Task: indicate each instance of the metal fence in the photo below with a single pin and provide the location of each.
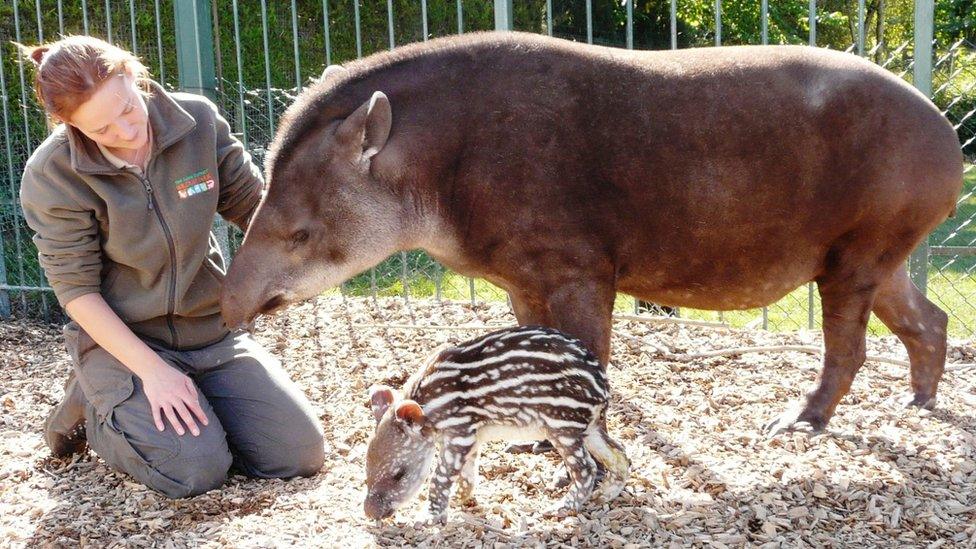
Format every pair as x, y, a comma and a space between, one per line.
254, 59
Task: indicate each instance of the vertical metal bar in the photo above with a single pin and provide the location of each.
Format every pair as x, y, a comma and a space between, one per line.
924, 32
810, 319
4, 296
132, 25
549, 17
718, 22
403, 276
108, 19
60, 18
636, 306
372, 284
240, 75
194, 47
765, 318
294, 39
813, 22
389, 22
84, 15
40, 26
159, 42
503, 15
328, 39
27, 140
460, 17
630, 24
438, 281
589, 21
674, 24
860, 27
359, 31
423, 17
267, 64
40, 40
471, 289
765, 21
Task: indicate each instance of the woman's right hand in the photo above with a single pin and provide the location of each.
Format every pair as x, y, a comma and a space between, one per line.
172, 394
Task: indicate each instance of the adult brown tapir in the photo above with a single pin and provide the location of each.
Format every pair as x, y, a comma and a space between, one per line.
718, 178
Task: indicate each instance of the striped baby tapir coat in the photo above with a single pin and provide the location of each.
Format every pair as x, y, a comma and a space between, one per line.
524, 383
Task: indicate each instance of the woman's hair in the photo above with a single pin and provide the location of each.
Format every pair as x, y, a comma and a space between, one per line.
68, 72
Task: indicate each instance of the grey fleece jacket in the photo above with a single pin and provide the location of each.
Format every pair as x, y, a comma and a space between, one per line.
143, 240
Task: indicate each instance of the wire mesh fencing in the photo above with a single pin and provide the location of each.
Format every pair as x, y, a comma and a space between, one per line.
266, 52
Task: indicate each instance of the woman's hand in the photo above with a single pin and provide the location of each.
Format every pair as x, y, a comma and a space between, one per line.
170, 393
173, 395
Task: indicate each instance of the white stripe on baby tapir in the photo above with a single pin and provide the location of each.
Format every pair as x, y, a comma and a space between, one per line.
552, 401
498, 336
441, 400
462, 441
439, 374
452, 421
508, 356
493, 374
562, 424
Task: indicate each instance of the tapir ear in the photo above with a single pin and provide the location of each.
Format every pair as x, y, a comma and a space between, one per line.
411, 414
366, 130
332, 70
380, 398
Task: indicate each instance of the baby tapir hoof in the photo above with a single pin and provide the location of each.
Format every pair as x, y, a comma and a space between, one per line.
563, 480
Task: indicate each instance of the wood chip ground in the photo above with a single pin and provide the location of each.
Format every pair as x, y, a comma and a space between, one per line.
703, 473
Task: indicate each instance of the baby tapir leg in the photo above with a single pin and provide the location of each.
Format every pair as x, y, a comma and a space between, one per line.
454, 450
469, 475
579, 464
611, 454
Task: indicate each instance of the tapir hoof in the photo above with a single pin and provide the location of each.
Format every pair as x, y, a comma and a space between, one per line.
795, 422
562, 476
915, 400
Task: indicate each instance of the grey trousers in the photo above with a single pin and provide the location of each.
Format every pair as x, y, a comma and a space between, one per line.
259, 420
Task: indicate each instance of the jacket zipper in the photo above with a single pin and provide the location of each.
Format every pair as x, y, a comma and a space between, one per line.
171, 297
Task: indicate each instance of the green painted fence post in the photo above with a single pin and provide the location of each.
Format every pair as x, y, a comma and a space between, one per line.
918, 265
504, 20
194, 47
195, 61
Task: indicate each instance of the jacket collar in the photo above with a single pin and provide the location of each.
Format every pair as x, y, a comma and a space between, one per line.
169, 122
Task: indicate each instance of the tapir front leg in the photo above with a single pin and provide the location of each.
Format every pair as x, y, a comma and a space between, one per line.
583, 308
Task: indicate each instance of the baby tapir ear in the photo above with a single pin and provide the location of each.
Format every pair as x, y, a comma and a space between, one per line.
410, 413
380, 398
366, 130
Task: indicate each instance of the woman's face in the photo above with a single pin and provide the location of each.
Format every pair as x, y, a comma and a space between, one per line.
115, 116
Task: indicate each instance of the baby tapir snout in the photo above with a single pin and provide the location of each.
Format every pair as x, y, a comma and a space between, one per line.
525, 383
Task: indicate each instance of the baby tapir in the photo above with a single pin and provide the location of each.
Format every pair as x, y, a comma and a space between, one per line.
525, 383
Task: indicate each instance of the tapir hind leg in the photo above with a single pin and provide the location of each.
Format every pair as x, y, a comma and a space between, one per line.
846, 307
921, 327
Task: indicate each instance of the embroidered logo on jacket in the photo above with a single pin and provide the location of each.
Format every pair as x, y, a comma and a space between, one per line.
195, 183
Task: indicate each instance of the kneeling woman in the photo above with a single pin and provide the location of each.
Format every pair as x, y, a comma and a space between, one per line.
122, 196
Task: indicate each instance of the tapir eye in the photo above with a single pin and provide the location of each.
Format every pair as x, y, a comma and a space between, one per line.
399, 476
299, 237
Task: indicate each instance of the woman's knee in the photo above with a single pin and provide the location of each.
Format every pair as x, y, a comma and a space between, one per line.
302, 455
188, 477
